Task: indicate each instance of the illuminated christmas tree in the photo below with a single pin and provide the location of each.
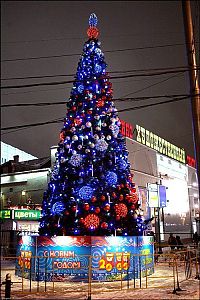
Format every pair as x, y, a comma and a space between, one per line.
91, 190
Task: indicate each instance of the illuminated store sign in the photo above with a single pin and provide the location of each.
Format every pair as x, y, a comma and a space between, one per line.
5, 214
126, 129
20, 214
191, 161
27, 214
157, 143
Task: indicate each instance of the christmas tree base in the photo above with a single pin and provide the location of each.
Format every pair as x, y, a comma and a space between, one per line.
82, 258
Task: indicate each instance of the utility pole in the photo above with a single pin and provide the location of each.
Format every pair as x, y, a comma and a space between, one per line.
194, 85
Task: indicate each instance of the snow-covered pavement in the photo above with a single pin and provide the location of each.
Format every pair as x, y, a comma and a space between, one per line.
160, 285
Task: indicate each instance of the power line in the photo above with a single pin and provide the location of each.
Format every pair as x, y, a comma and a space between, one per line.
151, 85
122, 110
79, 38
78, 54
65, 102
111, 77
183, 68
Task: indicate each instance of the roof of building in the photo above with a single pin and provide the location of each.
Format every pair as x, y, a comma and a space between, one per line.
13, 166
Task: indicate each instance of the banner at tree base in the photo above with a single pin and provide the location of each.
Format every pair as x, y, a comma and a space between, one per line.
71, 258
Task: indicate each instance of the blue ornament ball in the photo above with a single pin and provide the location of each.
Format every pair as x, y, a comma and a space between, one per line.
86, 192
58, 208
97, 68
111, 178
122, 164
80, 88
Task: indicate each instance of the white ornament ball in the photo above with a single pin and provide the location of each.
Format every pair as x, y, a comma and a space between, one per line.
88, 124
104, 124
108, 137
98, 128
97, 117
85, 137
92, 145
75, 138
73, 129
74, 152
96, 137
87, 150
79, 147
113, 120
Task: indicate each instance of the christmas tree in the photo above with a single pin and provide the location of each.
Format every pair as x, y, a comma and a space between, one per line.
91, 190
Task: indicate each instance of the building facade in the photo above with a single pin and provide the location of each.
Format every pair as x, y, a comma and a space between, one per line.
8, 151
153, 161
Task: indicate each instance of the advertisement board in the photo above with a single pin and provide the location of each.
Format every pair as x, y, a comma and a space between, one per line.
156, 195
71, 258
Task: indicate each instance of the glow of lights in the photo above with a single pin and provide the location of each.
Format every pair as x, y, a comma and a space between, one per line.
63, 240
114, 240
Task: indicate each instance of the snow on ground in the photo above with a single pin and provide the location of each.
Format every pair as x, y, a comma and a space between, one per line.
160, 285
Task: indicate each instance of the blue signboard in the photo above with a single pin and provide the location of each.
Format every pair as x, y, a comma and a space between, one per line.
162, 196
68, 258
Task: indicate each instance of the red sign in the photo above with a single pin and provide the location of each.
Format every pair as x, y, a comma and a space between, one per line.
126, 129
191, 161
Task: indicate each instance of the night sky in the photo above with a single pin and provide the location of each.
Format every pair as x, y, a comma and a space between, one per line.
33, 29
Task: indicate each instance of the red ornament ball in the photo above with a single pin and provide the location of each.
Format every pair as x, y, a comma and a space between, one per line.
91, 221
97, 210
103, 198
81, 220
86, 206
92, 32
107, 207
114, 195
74, 208
121, 210
93, 199
104, 225
117, 217
121, 197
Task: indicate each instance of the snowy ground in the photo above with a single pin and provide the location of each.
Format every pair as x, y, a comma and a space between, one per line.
160, 285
